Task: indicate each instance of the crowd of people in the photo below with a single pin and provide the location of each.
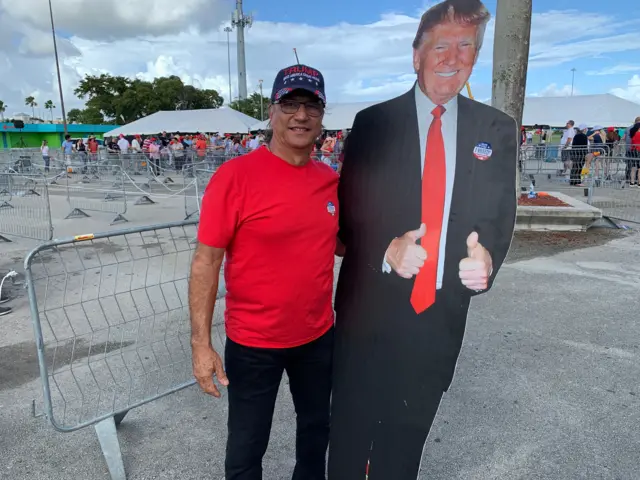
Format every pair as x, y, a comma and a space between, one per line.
181, 149
583, 148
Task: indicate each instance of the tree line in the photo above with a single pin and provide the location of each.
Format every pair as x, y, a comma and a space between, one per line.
120, 100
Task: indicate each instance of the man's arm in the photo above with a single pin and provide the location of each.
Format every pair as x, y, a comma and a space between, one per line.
203, 288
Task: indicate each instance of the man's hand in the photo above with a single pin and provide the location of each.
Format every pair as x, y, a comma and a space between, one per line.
476, 269
206, 364
404, 255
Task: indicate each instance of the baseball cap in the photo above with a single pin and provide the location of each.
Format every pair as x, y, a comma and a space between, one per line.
582, 126
298, 77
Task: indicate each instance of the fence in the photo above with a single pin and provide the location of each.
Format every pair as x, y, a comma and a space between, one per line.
93, 186
602, 180
111, 322
25, 210
193, 196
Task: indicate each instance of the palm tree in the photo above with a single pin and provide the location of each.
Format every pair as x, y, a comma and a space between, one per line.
31, 102
511, 59
48, 105
3, 108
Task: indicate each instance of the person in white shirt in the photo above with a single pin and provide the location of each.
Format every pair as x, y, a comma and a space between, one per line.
254, 143
45, 154
123, 144
135, 145
565, 145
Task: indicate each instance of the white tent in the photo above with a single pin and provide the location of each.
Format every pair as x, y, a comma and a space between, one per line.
223, 120
606, 110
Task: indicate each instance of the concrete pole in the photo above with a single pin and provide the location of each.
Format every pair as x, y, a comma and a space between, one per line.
240, 21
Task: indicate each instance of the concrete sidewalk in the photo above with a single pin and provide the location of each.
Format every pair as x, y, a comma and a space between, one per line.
546, 388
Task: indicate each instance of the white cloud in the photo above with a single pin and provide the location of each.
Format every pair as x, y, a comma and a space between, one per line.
151, 38
615, 70
631, 91
553, 90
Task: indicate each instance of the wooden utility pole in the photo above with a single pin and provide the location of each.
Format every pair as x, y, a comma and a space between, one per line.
511, 59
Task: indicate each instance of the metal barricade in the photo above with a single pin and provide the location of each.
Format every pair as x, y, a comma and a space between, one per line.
612, 193
25, 210
200, 177
110, 314
93, 186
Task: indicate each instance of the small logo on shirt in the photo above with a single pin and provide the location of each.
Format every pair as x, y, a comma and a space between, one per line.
483, 151
331, 208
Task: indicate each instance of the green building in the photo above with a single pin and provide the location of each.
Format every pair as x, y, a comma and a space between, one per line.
32, 135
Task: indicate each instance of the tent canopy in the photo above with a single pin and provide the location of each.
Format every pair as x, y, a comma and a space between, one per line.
605, 109
222, 120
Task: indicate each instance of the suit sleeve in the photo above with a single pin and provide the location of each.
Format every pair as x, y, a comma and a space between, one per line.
496, 234
347, 177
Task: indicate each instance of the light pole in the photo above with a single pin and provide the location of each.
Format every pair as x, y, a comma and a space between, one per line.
261, 102
229, 30
573, 77
241, 21
55, 51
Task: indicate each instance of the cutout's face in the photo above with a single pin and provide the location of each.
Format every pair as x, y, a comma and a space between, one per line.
445, 59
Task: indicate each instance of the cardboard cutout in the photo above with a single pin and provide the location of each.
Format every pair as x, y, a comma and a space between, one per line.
427, 212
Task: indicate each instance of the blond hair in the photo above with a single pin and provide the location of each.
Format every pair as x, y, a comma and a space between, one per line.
462, 12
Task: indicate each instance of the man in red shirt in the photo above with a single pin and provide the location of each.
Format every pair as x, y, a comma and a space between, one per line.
274, 213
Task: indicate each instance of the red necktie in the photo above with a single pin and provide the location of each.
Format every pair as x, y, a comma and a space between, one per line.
434, 179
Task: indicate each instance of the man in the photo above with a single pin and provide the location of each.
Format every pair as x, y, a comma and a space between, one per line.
275, 215
428, 205
579, 152
629, 152
67, 149
123, 144
565, 142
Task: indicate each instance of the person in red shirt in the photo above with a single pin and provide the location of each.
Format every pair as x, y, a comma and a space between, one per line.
274, 213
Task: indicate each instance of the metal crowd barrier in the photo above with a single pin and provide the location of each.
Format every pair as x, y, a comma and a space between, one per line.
25, 210
110, 314
92, 186
193, 196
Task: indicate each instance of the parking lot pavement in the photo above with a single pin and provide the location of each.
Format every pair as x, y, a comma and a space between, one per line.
546, 387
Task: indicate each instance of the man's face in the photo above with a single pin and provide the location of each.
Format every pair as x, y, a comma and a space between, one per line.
299, 129
445, 59
569, 125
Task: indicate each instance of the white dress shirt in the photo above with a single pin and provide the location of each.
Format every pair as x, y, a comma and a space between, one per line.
424, 107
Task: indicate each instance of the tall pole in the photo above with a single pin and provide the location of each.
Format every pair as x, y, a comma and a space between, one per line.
261, 102
241, 21
55, 51
511, 60
229, 30
573, 77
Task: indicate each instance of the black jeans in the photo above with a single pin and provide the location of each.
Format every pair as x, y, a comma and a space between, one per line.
254, 378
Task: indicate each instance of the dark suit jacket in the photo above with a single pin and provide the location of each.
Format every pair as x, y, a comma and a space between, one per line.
380, 198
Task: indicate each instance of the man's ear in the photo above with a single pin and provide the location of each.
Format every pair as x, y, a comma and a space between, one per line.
416, 60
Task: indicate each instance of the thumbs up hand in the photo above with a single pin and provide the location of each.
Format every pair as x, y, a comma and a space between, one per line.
404, 255
476, 269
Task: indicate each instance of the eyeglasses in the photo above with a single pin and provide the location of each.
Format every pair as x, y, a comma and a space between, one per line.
314, 109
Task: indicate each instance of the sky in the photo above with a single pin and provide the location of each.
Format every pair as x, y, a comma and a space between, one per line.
363, 48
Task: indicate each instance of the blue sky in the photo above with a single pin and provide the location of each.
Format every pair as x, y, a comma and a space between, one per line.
363, 47
599, 50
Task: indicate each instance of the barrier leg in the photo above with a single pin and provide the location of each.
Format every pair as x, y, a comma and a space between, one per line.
108, 438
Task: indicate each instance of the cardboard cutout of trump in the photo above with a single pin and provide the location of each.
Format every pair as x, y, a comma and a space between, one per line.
428, 204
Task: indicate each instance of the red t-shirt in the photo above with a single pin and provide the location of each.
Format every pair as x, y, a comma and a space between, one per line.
278, 224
